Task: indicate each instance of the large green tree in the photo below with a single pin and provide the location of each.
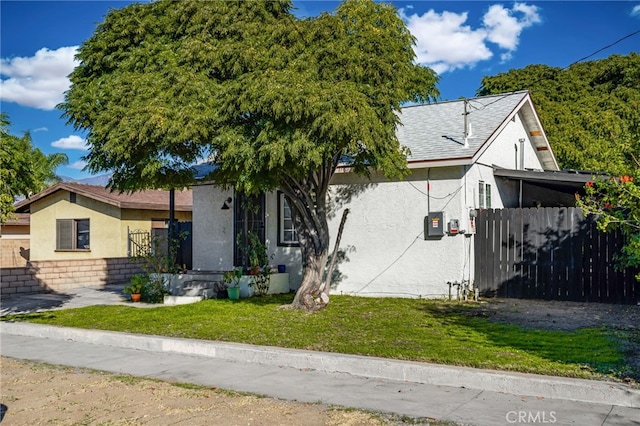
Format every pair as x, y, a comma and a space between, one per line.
616, 200
276, 101
24, 169
587, 110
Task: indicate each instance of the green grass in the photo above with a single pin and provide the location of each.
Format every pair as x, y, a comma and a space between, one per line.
408, 329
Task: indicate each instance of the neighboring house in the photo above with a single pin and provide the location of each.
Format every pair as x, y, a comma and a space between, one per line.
14, 241
71, 221
409, 237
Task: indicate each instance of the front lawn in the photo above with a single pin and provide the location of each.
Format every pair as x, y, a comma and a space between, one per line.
408, 329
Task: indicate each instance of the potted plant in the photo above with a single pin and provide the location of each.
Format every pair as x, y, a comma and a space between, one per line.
136, 286
260, 269
232, 281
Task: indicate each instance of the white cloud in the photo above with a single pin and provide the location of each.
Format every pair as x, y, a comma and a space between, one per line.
635, 11
37, 81
40, 129
504, 25
77, 165
444, 41
71, 142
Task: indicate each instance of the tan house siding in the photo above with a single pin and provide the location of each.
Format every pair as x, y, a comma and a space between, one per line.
14, 243
63, 275
108, 226
14, 252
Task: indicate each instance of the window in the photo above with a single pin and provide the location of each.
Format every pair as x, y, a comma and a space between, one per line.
249, 218
72, 234
287, 235
484, 195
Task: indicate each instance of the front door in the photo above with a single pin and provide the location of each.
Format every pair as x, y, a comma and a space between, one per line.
249, 217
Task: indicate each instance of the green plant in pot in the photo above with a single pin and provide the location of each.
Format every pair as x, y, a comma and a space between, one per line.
232, 280
137, 286
260, 269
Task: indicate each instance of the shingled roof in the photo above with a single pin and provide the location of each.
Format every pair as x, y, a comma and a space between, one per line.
143, 200
435, 132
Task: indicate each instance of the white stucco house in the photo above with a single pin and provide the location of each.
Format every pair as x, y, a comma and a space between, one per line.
405, 238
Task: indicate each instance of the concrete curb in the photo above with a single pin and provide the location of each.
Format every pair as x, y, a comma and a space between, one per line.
415, 372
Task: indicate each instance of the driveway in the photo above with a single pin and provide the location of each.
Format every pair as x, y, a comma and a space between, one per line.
76, 298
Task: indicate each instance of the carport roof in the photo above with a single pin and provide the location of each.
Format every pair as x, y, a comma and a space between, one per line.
562, 180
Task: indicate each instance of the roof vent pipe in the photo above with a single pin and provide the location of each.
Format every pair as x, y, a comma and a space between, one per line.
467, 131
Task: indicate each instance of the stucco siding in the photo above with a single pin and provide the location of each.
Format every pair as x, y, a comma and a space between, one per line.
213, 229
386, 250
504, 151
107, 223
103, 224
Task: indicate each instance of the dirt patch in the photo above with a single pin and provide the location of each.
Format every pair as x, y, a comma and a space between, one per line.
35, 393
622, 320
563, 316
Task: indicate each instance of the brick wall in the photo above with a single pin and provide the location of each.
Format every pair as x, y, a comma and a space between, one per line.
61, 275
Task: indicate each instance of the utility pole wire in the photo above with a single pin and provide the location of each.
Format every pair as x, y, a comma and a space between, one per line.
604, 48
568, 66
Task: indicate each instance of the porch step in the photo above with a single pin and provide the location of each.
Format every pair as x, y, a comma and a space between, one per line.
202, 288
181, 300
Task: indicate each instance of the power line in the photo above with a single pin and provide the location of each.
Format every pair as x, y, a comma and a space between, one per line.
604, 48
568, 66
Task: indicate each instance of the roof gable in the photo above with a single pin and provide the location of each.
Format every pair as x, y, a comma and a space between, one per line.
143, 200
436, 132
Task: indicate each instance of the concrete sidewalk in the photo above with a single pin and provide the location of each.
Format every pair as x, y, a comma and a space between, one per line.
463, 395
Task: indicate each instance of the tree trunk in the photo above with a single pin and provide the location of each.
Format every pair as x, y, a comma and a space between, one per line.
334, 256
309, 295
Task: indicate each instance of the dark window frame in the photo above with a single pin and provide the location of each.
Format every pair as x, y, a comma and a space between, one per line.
68, 234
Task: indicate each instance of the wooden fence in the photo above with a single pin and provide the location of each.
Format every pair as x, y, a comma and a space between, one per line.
550, 253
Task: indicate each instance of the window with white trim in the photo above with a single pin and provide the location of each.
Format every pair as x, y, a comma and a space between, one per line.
72, 234
484, 195
287, 235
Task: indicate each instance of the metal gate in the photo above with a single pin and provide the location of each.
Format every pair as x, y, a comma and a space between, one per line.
142, 243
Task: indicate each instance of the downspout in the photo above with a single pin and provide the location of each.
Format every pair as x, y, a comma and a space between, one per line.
521, 140
428, 191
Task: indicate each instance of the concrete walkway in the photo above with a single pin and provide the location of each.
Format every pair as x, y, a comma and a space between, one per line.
76, 298
463, 395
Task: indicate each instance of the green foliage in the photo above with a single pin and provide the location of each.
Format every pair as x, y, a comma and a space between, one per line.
273, 100
616, 202
232, 278
137, 284
156, 258
259, 263
155, 290
589, 111
24, 169
151, 290
407, 329
257, 252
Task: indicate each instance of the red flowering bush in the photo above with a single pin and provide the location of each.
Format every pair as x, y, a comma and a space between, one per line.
616, 202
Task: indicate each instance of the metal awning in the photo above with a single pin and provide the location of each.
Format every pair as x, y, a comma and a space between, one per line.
563, 180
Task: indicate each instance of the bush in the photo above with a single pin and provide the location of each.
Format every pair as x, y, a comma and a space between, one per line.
151, 290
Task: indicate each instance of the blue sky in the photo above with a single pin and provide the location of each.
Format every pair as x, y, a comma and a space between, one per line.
462, 40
